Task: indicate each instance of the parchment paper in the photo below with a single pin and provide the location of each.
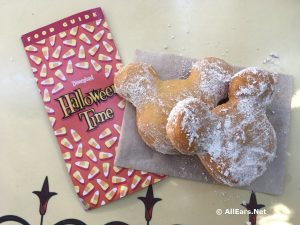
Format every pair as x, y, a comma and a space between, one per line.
133, 153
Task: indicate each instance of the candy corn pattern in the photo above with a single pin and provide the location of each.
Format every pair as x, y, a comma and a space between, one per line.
60, 131
45, 51
91, 155
109, 143
56, 52
88, 188
93, 142
70, 42
78, 152
81, 50
43, 72
82, 164
48, 81
75, 135
95, 198
68, 54
81, 54
108, 69
94, 171
105, 133
123, 191
60, 75
96, 65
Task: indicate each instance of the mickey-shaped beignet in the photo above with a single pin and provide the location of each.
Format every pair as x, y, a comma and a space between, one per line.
234, 141
154, 98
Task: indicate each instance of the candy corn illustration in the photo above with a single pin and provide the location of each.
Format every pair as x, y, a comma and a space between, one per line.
105, 155
102, 184
45, 51
130, 172
105, 25
52, 40
70, 42
52, 120
116, 179
56, 52
78, 177
60, 131
109, 36
60, 75
77, 189
53, 65
84, 38
123, 191
62, 34
31, 48
96, 66
121, 104
117, 57
117, 169
75, 135
105, 133
94, 171
107, 70
143, 172
48, 109
136, 180
34, 70
69, 166
104, 58
43, 72
99, 35
67, 156
156, 180
48, 81
105, 167
65, 142
78, 152
69, 54
41, 42
92, 142
88, 27
91, 155
119, 66
98, 22
73, 31
146, 182
46, 96
69, 67
110, 142
82, 65
35, 59
85, 205
117, 128
81, 53
107, 46
82, 164
103, 202
95, 198
88, 188
109, 195
57, 88
92, 51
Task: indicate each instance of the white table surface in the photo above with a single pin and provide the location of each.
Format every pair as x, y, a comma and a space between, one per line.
241, 32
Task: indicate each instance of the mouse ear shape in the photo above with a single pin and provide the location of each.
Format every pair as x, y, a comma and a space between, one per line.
213, 76
189, 124
253, 84
136, 82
